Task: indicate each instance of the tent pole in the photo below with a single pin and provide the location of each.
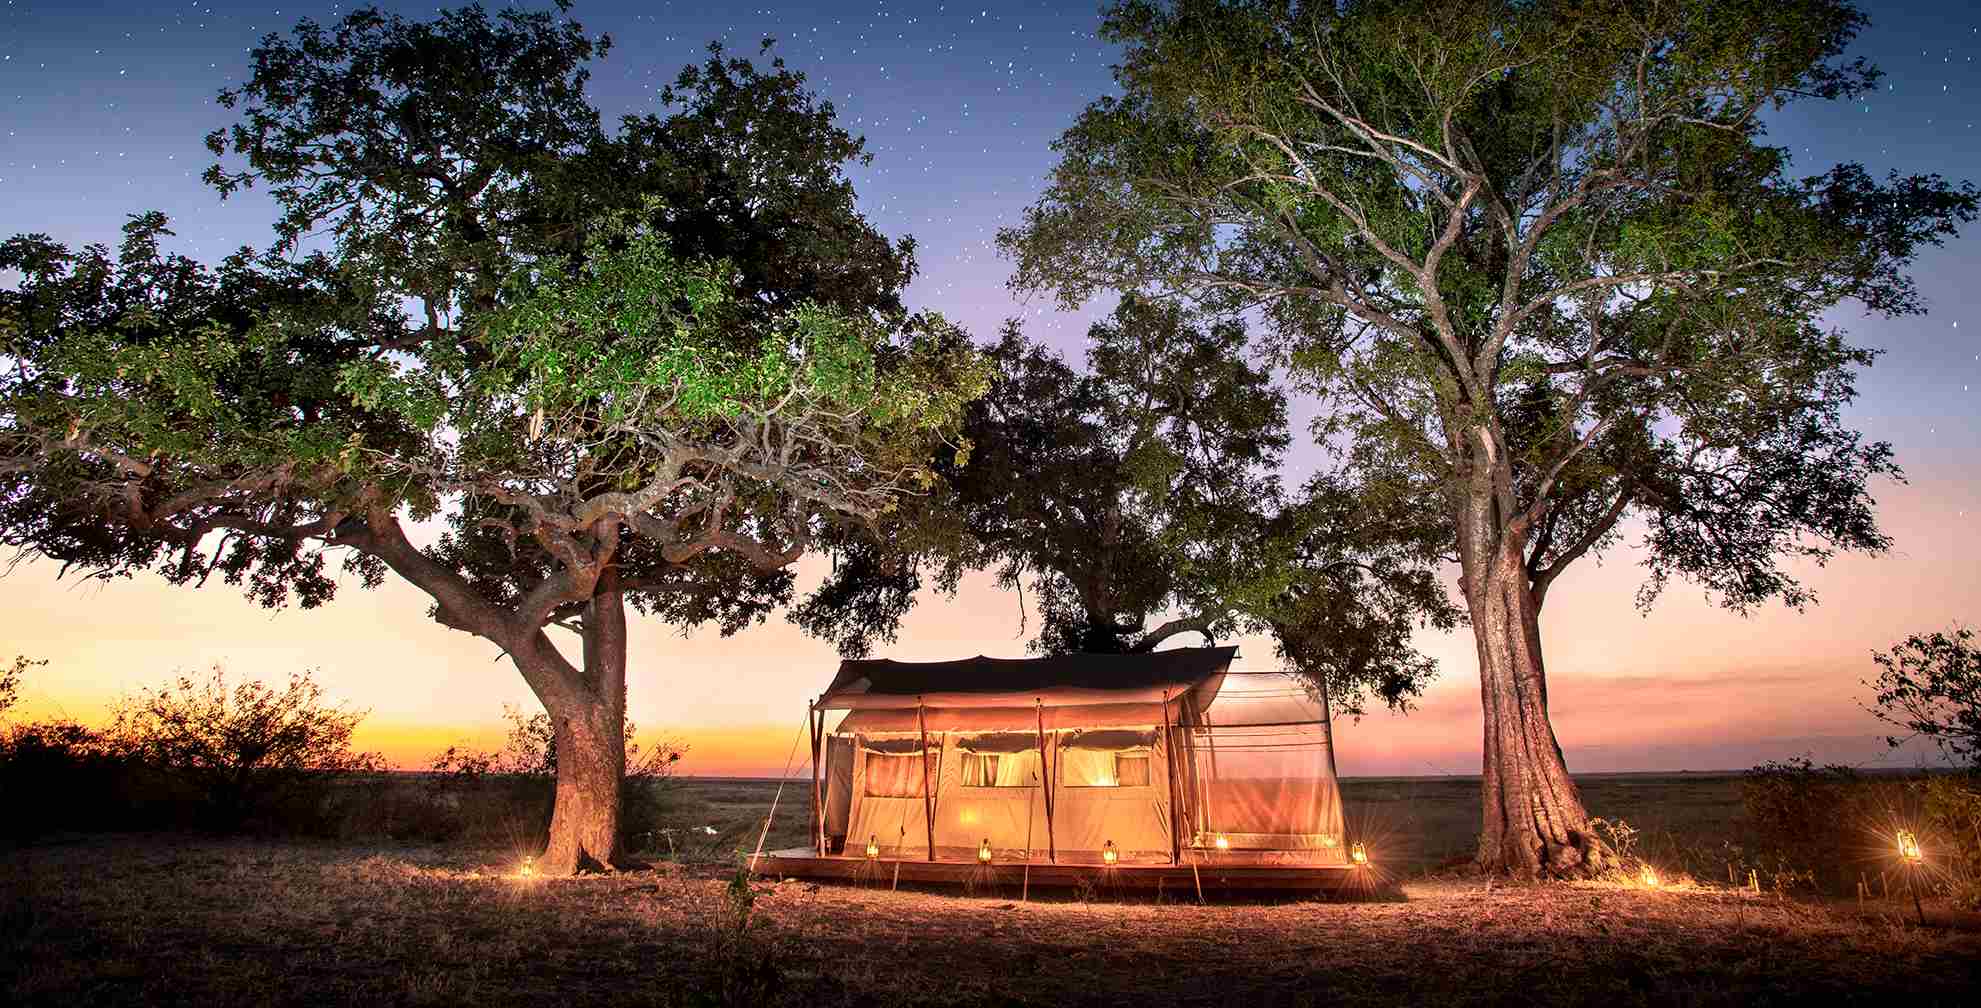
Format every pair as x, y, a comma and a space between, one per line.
817, 720
928, 797
1169, 777
1052, 845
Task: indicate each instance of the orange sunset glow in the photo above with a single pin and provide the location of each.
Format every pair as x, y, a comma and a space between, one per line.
1688, 687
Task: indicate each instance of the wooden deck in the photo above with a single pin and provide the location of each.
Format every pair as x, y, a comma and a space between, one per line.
803, 862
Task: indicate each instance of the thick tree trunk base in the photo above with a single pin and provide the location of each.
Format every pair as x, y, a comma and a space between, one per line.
584, 821
1535, 825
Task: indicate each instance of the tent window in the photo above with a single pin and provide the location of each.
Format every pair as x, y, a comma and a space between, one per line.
1093, 768
1001, 769
894, 776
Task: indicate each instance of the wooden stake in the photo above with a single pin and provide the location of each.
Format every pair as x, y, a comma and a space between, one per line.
928, 796
1052, 844
1169, 776
817, 719
1199, 880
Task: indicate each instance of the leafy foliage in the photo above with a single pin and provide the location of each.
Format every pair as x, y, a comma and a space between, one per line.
1149, 486
10, 680
1930, 686
239, 745
1537, 257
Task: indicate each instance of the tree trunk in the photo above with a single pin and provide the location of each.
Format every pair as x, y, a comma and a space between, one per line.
1535, 824
590, 722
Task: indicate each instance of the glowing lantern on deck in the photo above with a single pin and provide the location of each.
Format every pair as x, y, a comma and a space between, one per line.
873, 847
1223, 843
1649, 876
529, 868
1357, 854
1908, 848
1108, 853
984, 852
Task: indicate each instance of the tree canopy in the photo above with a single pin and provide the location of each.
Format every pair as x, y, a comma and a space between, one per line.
1142, 498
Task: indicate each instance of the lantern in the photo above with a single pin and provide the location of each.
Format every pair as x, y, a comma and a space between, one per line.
873, 847
984, 852
1357, 854
1908, 848
529, 869
1648, 875
1223, 843
1108, 853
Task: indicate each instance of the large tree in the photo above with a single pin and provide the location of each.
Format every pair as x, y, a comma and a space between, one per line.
1544, 269
657, 365
1142, 499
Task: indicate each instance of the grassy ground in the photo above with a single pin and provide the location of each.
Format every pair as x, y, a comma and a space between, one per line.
178, 920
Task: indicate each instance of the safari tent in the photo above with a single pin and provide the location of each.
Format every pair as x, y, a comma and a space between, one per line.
1116, 761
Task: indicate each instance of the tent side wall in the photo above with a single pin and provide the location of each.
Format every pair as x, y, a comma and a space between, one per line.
1135, 816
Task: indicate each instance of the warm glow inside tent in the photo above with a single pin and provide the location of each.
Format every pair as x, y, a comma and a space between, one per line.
1159, 757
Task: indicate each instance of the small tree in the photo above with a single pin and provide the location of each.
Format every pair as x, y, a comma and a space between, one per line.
240, 746
1930, 686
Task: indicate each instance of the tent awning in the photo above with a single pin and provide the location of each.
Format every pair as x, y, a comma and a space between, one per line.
1055, 681
870, 721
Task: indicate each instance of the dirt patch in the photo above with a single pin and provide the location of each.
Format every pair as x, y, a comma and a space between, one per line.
165, 920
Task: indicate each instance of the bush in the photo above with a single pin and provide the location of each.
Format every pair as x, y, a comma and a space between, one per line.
1953, 817
58, 776
529, 754
1822, 829
244, 750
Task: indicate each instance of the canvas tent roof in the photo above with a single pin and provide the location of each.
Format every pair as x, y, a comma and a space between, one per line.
1059, 680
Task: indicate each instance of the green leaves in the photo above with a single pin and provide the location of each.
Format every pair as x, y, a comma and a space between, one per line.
1531, 252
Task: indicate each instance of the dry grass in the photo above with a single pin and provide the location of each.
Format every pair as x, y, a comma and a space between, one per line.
169, 920
175, 920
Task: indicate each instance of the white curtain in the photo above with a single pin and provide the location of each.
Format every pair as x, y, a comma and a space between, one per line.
1087, 768
1001, 769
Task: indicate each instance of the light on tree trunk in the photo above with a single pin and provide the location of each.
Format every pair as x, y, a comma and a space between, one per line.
1648, 875
1908, 847
1222, 843
873, 847
1108, 853
984, 852
1330, 841
1357, 854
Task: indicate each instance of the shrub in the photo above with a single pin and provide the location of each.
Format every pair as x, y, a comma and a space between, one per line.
529, 753
1824, 828
1952, 805
243, 750
59, 776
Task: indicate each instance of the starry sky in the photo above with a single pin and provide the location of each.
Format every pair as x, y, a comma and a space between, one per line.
104, 108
